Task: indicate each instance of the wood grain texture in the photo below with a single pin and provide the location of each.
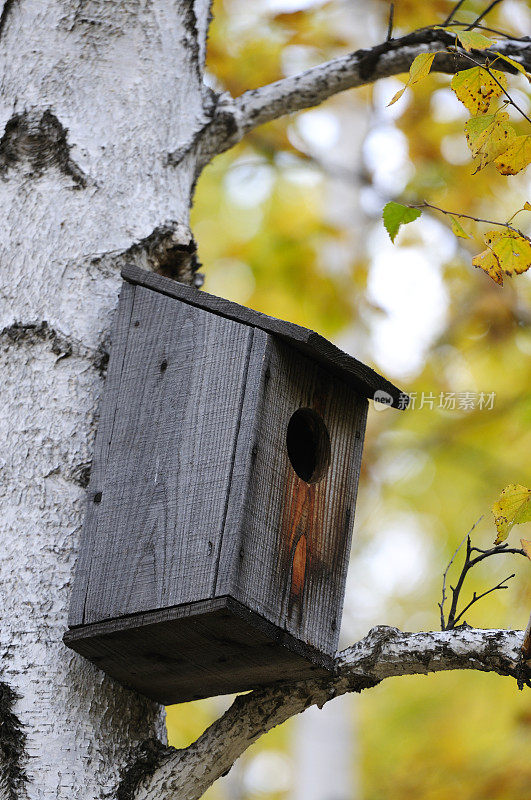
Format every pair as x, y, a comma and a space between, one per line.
295, 536
208, 564
107, 415
196, 650
361, 377
232, 542
163, 490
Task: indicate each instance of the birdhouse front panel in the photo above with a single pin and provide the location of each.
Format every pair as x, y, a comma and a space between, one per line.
159, 500
290, 556
220, 506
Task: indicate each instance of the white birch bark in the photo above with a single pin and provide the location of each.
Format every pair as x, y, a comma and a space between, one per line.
94, 96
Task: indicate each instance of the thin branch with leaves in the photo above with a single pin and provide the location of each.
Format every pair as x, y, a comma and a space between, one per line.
448, 213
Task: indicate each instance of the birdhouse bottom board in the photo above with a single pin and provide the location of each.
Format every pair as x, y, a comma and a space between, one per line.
221, 501
197, 650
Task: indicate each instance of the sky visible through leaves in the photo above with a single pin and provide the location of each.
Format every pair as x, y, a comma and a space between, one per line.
290, 222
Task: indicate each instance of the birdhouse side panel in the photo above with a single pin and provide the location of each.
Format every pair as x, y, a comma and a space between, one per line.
298, 513
160, 500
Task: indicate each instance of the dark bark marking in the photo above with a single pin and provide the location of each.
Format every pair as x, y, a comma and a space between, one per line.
62, 346
369, 58
80, 474
32, 333
101, 357
39, 140
12, 744
164, 252
144, 760
191, 37
6, 8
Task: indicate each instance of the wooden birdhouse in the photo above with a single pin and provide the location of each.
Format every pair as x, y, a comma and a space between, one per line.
221, 500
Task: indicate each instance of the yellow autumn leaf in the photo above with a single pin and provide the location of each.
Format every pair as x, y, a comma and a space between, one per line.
476, 88
526, 547
516, 65
512, 508
527, 206
457, 229
488, 262
512, 249
472, 40
517, 156
419, 69
475, 126
489, 137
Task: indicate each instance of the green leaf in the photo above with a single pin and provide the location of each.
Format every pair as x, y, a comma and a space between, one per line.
395, 215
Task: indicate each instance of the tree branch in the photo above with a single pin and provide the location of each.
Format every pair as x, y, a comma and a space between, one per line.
232, 118
385, 652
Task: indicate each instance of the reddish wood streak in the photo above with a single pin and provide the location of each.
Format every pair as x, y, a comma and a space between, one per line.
304, 553
298, 574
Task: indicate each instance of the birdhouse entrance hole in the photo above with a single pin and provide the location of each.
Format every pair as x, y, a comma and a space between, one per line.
308, 444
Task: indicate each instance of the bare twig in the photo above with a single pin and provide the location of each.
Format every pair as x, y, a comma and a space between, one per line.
445, 211
484, 14
499, 550
470, 562
453, 12
443, 599
390, 25
476, 597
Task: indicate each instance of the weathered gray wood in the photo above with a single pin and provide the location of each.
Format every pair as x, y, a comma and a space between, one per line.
295, 537
208, 564
361, 377
164, 488
232, 542
196, 650
105, 423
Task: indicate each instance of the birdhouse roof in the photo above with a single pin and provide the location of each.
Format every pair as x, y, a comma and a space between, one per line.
357, 374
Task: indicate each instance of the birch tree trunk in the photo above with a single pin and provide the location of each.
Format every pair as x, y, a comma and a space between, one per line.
95, 94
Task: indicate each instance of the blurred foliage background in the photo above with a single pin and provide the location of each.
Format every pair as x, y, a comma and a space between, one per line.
289, 222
